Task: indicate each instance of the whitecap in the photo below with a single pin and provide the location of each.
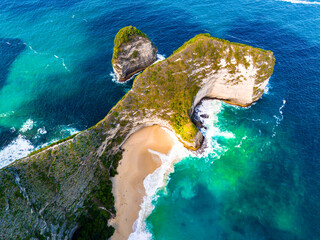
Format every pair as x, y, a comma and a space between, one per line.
155, 181
267, 88
18, 148
66, 130
6, 114
210, 129
42, 130
28, 125
160, 57
160, 177
301, 2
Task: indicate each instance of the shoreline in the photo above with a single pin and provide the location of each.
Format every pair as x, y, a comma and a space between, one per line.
136, 164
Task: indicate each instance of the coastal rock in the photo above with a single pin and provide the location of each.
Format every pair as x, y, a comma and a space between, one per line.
64, 191
133, 52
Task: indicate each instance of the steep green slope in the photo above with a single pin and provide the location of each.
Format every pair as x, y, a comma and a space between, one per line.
65, 190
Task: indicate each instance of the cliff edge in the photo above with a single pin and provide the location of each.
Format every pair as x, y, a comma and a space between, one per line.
64, 191
133, 52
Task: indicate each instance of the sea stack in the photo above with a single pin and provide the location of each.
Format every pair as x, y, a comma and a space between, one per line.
65, 190
133, 52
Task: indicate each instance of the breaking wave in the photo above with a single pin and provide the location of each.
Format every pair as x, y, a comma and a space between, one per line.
155, 181
301, 2
18, 148
207, 113
22, 145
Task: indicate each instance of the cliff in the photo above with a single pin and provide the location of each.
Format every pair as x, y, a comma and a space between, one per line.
64, 191
133, 52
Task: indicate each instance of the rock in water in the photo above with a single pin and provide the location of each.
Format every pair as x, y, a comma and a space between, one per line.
133, 51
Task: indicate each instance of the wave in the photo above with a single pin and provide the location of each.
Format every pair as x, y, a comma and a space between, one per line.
160, 57
28, 125
301, 2
267, 89
18, 148
207, 112
21, 146
155, 181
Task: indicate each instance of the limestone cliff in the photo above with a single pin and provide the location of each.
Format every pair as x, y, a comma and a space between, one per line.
64, 191
133, 52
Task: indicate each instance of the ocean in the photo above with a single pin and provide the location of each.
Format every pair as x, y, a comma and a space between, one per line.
258, 176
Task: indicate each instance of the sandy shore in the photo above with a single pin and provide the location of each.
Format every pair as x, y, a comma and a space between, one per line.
136, 164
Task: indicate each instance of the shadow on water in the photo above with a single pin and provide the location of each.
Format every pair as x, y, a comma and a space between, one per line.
96, 94
10, 49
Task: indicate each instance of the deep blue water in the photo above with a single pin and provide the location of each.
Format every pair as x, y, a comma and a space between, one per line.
55, 80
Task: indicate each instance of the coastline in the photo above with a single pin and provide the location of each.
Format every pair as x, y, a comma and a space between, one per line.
136, 164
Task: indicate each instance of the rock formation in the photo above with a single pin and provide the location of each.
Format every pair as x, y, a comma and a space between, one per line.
64, 190
133, 52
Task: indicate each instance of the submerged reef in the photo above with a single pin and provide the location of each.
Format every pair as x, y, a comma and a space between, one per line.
64, 191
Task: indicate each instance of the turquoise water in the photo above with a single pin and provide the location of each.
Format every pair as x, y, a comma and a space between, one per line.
260, 178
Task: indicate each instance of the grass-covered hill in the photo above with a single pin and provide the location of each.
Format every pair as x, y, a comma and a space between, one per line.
65, 189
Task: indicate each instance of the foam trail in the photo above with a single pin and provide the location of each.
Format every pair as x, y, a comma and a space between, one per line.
17, 149
63, 63
152, 183
301, 2
278, 119
33, 50
159, 178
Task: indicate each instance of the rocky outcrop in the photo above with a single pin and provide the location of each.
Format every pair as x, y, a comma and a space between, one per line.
65, 190
133, 52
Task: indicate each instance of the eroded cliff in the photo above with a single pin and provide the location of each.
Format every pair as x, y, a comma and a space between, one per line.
133, 52
65, 189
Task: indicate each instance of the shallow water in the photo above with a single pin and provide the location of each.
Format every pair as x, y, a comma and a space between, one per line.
260, 178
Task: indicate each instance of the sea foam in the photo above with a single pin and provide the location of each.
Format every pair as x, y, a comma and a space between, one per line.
18, 148
210, 129
155, 181
28, 125
160, 177
22, 146
301, 2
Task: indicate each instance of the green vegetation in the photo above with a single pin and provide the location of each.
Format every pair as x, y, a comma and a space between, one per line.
52, 144
71, 184
135, 54
123, 36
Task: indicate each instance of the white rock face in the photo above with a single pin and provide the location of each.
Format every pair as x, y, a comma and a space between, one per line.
135, 56
239, 87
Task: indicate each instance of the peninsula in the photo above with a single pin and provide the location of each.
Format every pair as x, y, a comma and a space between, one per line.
64, 191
